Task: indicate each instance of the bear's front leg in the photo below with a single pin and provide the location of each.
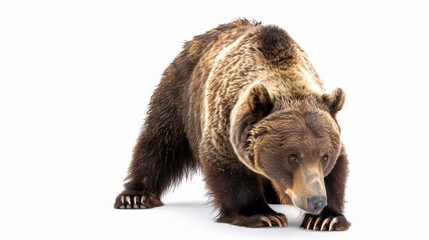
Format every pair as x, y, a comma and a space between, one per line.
331, 218
239, 196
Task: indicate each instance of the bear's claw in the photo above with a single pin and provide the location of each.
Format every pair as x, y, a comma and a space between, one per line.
272, 220
136, 202
257, 220
325, 223
132, 202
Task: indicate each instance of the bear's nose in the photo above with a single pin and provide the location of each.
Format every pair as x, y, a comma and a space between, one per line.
316, 203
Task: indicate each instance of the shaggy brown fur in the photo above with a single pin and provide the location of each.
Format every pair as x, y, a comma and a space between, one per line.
243, 103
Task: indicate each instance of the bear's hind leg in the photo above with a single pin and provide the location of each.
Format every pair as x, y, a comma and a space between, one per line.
162, 155
161, 158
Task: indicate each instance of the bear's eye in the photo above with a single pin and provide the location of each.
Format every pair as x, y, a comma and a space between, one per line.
293, 159
324, 159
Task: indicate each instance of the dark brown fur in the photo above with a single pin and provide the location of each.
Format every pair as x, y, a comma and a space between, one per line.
239, 114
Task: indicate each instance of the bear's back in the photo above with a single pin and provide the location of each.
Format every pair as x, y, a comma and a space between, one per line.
229, 59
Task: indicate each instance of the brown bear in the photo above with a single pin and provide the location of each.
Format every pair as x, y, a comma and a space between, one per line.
243, 103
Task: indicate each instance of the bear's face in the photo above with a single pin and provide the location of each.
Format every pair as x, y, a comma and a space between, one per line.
295, 148
295, 151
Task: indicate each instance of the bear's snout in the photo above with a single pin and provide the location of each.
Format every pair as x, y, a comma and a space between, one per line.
308, 190
316, 203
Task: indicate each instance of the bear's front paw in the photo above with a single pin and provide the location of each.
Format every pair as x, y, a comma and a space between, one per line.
133, 200
325, 223
257, 220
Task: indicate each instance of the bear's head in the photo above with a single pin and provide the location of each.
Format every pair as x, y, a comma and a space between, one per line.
294, 143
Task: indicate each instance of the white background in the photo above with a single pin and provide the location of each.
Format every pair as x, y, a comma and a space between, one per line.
76, 78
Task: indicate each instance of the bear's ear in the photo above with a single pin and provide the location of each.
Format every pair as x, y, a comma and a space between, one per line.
334, 100
255, 104
259, 101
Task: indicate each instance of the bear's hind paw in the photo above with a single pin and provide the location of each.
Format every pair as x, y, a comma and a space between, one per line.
134, 201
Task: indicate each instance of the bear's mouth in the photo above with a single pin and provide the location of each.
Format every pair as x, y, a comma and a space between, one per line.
308, 204
297, 201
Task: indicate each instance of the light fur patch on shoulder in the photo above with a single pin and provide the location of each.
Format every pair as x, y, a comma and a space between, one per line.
218, 59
